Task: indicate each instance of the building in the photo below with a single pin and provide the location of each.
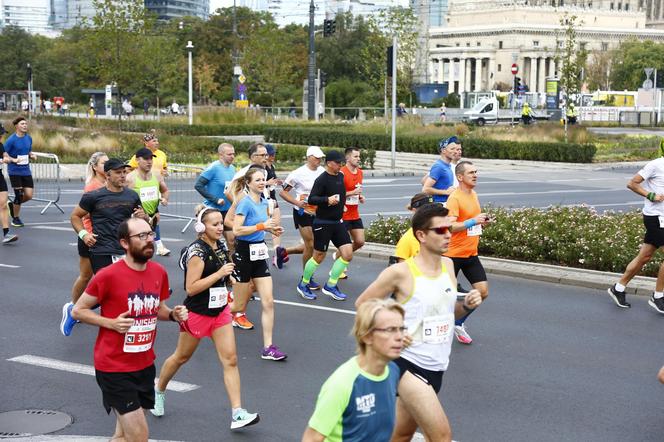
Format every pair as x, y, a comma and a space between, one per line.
30, 15
170, 9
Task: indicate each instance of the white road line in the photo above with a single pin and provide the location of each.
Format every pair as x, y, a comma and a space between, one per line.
9, 266
89, 370
163, 238
399, 212
61, 229
47, 223
313, 307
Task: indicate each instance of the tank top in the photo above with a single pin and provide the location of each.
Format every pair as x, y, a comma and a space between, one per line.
430, 319
148, 192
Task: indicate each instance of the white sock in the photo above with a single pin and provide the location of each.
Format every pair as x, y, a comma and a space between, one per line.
619, 287
658, 295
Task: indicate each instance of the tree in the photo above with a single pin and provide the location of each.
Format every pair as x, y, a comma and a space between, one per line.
599, 70
634, 56
571, 58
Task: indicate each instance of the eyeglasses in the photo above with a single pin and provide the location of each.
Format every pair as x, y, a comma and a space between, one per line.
442, 230
144, 235
259, 155
391, 330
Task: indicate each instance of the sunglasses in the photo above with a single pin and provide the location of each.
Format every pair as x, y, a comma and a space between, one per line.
442, 230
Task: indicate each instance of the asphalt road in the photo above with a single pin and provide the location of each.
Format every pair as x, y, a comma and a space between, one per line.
549, 363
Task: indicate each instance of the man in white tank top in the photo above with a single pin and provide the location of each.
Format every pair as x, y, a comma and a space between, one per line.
426, 286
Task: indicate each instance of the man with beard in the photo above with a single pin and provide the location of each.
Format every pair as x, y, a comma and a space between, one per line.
123, 354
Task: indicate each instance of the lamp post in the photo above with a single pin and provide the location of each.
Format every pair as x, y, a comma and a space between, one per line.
190, 48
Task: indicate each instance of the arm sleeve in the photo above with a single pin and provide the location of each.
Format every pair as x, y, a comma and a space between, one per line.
201, 187
436, 172
453, 206
87, 202
647, 171
96, 287
9, 147
242, 208
330, 406
317, 196
290, 179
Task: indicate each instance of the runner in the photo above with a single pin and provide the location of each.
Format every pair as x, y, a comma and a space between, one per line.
649, 183
408, 246
457, 152
213, 183
280, 254
329, 195
18, 148
95, 178
424, 285
251, 220
207, 266
468, 220
124, 354
152, 190
7, 236
301, 180
353, 178
439, 182
358, 401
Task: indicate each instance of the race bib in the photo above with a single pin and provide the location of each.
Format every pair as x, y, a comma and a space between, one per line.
258, 252
140, 336
438, 329
149, 194
353, 200
661, 222
218, 297
116, 258
23, 160
476, 230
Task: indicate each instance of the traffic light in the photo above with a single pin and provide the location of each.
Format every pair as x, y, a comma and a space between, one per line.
323, 79
517, 83
390, 52
329, 27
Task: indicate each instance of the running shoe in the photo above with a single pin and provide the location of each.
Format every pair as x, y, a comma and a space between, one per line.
273, 353
16, 222
67, 323
279, 256
462, 335
240, 321
163, 251
618, 297
305, 291
334, 292
158, 409
243, 419
313, 285
9, 238
656, 303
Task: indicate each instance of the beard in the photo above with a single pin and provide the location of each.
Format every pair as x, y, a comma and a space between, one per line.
142, 254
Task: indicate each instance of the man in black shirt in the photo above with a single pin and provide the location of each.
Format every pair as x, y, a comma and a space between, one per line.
329, 194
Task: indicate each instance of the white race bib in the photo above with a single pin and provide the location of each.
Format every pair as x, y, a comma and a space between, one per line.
148, 193
438, 329
140, 336
258, 252
353, 200
218, 297
476, 230
23, 160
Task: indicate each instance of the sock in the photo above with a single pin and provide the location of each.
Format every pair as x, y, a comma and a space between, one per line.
5, 231
309, 270
462, 320
157, 243
658, 295
619, 287
337, 269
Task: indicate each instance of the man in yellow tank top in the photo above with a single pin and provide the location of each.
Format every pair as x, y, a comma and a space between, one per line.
426, 286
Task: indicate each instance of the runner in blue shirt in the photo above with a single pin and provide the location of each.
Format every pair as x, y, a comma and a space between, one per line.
19, 149
440, 181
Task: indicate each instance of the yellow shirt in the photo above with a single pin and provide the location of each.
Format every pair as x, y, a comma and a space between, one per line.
159, 163
408, 246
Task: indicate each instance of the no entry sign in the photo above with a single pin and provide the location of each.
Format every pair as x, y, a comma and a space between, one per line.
515, 69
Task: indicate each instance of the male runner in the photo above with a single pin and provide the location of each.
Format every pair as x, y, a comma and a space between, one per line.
213, 183
301, 180
329, 195
408, 246
353, 178
649, 183
160, 160
19, 151
467, 222
132, 294
425, 286
7, 237
152, 190
440, 181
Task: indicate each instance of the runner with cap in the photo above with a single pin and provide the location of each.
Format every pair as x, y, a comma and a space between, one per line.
440, 181
7, 236
151, 189
18, 148
329, 195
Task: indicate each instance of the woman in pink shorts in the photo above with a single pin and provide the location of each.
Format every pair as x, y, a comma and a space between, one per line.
207, 267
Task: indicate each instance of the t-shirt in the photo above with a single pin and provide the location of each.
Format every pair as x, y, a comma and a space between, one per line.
219, 176
148, 192
464, 206
212, 262
19, 147
442, 173
92, 185
408, 246
355, 406
119, 289
253, 213
107, 210
351, 181
159, 161
653, 176
2, 151
302, 180
271, 174
324, 187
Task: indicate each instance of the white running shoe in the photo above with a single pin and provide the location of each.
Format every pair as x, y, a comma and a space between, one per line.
244, 419
158, 409
462, 335
163, 251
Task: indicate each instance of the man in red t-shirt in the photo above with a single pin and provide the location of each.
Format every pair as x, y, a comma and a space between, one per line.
353, 178
131, 293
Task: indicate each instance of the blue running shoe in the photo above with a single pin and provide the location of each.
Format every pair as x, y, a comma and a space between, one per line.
334, 292
313, 285
67, 324
304, 291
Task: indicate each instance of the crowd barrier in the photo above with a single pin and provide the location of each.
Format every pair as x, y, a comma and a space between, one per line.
45, 170
183, 197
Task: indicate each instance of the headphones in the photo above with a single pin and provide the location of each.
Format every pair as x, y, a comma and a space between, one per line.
199, 227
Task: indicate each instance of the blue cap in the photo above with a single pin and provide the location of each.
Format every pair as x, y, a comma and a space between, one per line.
271, 151
442, 144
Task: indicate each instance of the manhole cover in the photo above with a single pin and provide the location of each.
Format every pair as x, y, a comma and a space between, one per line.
23, 423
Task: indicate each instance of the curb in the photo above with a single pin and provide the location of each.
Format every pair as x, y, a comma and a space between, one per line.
592, 279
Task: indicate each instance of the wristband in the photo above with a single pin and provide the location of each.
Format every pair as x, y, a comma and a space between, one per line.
467, 309
469, 223
172, 318
651, 196
82, 233
260, 226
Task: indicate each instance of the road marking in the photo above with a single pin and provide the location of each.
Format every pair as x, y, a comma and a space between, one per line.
399, 212
61, 229
46, 223
89, 370
163, 238
313, 307
9, 266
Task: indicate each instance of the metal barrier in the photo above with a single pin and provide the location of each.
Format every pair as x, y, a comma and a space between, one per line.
45, 171
183, 197
638, 118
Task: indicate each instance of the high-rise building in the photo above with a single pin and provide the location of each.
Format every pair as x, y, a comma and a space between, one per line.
432, 13
170, 9
30, 15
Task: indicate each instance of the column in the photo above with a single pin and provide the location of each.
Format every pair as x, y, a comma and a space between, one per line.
433, 70
532, 76
450, 78
441, 71
478, 74
491, 74
462, 75
541, 75
552, 67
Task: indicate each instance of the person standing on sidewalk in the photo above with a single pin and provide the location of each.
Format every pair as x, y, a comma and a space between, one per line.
18, 148
353, 178
7, 236
648, 183
440, 181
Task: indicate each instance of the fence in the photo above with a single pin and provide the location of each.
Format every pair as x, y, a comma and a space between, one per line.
45, 170
183, 197
638, 118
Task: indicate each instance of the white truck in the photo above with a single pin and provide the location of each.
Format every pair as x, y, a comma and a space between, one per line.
486, 112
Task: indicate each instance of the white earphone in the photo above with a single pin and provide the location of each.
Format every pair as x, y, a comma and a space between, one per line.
199, 227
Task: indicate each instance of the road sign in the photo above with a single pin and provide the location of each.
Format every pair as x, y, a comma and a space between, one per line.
515, 69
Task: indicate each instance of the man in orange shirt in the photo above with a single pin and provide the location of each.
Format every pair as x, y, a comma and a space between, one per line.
353, 178
467, 223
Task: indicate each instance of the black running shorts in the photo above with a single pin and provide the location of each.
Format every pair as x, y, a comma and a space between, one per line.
304, 220
324, 233
21, 181
245, 269
433, 378
98, 262
354, 224
83, 250
3, 183
654, 234
471, 267
127, 392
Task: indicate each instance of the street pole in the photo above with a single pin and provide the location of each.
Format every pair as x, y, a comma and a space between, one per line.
311, 71
190, 48
394, 102
317, 93
29, 91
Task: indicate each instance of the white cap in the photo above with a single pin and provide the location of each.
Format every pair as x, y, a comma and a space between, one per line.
315, 151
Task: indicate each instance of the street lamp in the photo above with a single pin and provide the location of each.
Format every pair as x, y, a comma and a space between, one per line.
190, 48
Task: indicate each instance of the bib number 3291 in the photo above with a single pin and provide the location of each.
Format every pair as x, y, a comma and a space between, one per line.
140, 336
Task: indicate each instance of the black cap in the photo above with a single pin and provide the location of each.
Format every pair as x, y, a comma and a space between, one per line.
114, 163
144, 153
335, 155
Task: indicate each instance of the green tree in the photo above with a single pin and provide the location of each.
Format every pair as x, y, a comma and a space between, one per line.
571, 59
599, 70
631, 57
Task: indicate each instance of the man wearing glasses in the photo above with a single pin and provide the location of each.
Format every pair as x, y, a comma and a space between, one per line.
426, 287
